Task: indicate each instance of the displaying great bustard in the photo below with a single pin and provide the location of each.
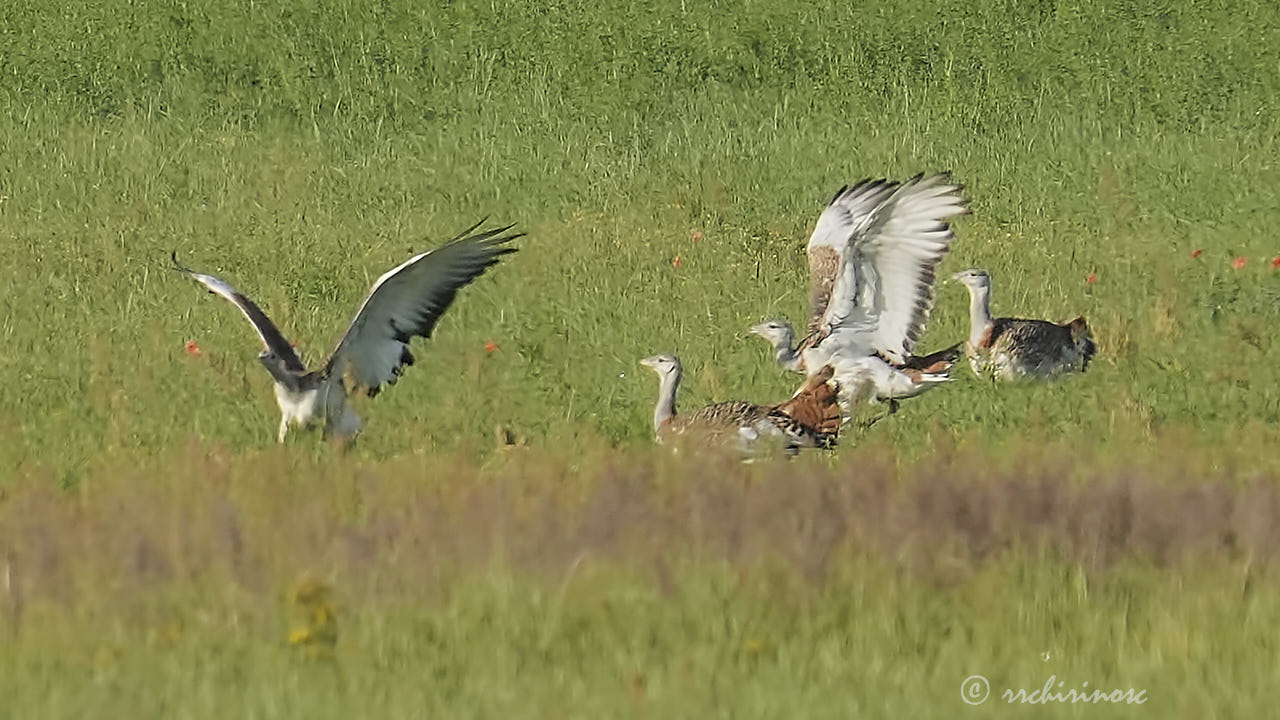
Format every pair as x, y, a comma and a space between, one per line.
811, 418
1014, 348
872, 266
921, 372
405, 302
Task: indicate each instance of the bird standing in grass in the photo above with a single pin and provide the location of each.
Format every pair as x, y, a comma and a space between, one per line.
1013, 348
872, 261
811, 418
405, 302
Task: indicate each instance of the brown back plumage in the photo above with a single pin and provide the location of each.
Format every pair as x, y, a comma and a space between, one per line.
816, 405
730, 414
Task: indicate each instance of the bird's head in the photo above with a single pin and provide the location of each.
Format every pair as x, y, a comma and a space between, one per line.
973, 278
777, 332
664, 364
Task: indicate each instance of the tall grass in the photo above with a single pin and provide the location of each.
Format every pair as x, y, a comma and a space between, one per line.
502, 539
616, 586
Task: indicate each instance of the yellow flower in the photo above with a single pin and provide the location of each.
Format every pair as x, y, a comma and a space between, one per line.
300, 636
319, 635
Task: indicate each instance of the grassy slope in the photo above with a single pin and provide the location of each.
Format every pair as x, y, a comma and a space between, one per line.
299, 152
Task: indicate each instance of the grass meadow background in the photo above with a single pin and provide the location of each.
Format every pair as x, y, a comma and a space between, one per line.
160, 556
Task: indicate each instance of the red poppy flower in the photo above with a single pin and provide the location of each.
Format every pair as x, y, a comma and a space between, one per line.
697, 235
191, 348
1196, 253
490, 346
1091, 278
675, 262
1239, 262
1275, 262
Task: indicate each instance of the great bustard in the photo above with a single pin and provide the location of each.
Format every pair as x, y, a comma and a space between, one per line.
811, 418
1014, 348
872, 265
902, 380
405, 302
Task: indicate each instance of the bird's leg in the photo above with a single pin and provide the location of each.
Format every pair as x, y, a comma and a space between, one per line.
284, 427
866, 425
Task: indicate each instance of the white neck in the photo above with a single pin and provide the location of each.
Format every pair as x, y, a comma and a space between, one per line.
979, 312
666, 407
784, 350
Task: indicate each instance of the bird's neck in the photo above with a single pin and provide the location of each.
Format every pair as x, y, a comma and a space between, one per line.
979, 313
784, 351
666, 407
788, 358
292, 381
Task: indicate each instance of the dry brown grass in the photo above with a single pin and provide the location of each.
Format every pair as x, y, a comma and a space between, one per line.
203, 520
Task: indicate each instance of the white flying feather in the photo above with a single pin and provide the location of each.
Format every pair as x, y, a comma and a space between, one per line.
882, 291
873, 256
405, 302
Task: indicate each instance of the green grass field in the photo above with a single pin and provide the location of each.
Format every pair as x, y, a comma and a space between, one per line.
151, 533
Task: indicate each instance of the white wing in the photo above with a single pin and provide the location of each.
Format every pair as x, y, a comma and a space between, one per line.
831, 282
267, 331
897, 258
407, 301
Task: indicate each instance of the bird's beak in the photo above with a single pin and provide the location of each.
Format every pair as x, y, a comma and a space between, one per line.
755, 330
649, 362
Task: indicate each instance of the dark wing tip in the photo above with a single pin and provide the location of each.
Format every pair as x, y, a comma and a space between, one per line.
491, 240
173, 255
471, 229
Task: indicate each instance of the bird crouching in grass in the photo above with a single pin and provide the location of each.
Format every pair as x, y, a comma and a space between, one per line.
1010, 349
810, 419
405, 302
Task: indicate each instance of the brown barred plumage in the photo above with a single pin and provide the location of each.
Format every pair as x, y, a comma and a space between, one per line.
810, 418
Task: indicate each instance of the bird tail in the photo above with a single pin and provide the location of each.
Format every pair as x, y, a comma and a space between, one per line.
1083, 340
816, 404
935, 363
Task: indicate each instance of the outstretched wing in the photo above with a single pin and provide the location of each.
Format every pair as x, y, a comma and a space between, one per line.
849, 213
267, 330
897, 258
407, 301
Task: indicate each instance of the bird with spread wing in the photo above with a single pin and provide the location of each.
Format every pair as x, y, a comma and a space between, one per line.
405, 302
873, 257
